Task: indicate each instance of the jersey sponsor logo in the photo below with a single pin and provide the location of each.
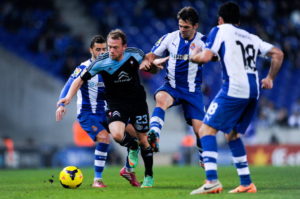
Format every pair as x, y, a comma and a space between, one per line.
180, 57
116, 114
95, 84
123, 77
76, 72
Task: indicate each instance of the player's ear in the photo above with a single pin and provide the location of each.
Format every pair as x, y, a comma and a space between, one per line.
196, 26
220, 21
124, 46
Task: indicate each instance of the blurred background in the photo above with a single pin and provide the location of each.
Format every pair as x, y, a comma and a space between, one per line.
41, 42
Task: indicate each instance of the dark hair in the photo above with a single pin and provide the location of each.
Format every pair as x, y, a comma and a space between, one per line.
188, 14
118, 34
97, 39
230, 12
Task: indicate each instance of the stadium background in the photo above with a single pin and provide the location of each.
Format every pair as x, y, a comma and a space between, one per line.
42, 41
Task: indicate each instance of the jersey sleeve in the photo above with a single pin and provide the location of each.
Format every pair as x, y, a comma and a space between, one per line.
137, 53
264, 47
97, 65
160, 46
213, 41
73, 76
66, 88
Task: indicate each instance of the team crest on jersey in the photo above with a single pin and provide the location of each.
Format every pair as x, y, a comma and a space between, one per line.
76, 72
138, 127
94, 128
192, 46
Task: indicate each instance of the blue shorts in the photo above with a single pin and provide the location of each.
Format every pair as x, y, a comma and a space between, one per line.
192, 103
229, 113
92, 123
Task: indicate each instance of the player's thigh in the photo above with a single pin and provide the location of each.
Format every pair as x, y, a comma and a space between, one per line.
193, 107
224, 112
117, 129
93, 124
117, 118
246, 117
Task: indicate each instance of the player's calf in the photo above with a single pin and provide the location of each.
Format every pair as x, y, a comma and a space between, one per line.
153, 139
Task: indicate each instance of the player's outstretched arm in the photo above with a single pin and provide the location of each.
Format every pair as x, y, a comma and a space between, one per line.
159, 62
73, 90
60, 112
276, 61
202, 57
147, 62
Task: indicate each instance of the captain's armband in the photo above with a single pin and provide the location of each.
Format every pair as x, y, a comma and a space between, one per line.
86, 76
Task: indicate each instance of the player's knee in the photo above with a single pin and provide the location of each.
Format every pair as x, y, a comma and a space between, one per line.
143, 140
163, 100
117, 136
233, 135
206, 130
103, 137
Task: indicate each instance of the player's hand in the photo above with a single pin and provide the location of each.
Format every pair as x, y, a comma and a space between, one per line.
159, 62
63, 101
60, 112
145, 65
194, 51
267, 83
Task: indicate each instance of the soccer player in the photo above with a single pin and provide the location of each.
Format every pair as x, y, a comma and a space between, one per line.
125, 96
91, 114
233, 108
183, 85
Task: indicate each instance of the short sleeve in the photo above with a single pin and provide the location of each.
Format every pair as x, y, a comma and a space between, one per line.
160, 46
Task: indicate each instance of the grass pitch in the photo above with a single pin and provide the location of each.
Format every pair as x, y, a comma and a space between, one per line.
170, 183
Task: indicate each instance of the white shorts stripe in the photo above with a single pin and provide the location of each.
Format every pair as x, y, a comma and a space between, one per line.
210, 166
100, 153
99, 163
243, 171
157, 119
240, 159
211, 154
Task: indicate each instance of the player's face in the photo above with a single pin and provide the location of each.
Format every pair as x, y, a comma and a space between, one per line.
187, 30
115, 48
98, 49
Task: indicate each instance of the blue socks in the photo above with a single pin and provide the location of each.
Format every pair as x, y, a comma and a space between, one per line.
240, 161
210, 156
100, 159
157, 120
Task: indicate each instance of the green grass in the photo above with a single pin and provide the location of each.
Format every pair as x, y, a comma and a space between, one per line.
170, 183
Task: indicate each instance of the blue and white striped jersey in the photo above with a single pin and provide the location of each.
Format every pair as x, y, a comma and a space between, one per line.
90, 97
238, 51
181, 73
